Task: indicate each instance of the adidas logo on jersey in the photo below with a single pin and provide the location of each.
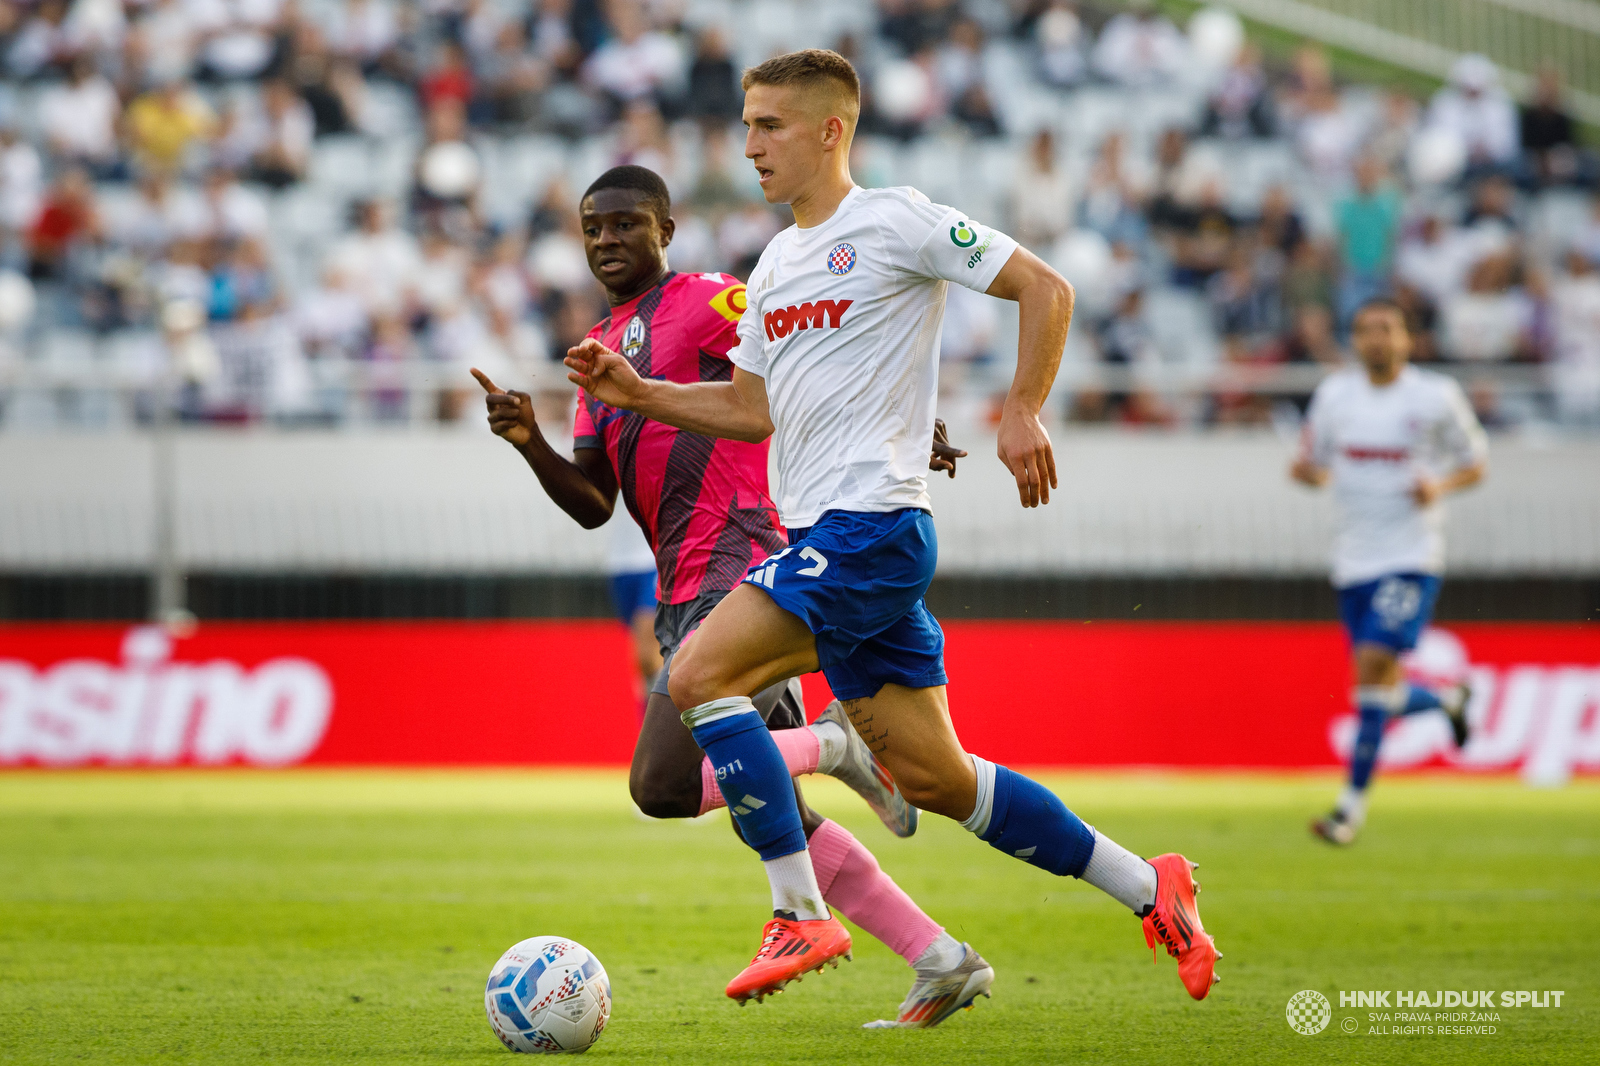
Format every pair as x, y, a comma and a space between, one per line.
819, 315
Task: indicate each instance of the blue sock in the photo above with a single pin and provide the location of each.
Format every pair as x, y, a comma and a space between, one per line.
1025, 820
754, 780
1374, 716
1419, 699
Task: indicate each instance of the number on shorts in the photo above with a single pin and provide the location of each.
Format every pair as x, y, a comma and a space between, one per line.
811, 553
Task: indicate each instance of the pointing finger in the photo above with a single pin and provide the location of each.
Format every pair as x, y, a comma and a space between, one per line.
483, 379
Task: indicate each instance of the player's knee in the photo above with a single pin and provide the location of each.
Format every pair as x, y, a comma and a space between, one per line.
692, 684
659, 796
927, 790
1375, 665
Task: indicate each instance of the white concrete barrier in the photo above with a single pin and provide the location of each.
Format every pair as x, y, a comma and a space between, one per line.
451, 501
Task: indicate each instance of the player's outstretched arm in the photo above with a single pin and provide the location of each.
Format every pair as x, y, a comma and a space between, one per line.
734, 409
585, 489
1044, 305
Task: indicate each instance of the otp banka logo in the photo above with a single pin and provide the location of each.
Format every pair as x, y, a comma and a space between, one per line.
823, 314
151, 710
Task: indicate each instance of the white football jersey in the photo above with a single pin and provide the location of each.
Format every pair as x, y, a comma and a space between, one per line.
1376, 442
843, 322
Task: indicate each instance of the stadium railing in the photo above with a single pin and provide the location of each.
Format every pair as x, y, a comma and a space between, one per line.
95, 392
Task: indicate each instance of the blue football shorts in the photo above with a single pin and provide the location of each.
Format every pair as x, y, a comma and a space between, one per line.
857, 580
1390, 611
632, 593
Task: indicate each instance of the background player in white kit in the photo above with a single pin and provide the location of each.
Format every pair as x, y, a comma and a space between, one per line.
1394, 440
838, 360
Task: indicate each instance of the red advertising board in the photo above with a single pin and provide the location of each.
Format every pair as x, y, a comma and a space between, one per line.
1262, 695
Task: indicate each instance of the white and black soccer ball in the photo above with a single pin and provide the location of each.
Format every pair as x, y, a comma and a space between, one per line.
548, 995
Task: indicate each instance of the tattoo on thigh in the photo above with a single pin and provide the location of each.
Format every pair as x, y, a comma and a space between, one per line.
877, 738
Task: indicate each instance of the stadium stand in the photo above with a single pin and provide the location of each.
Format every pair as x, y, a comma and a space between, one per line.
317, 213
313, 215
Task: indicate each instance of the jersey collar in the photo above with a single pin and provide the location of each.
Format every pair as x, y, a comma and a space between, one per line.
838, 212
622, 311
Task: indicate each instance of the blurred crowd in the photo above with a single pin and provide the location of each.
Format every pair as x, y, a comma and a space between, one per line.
322, 211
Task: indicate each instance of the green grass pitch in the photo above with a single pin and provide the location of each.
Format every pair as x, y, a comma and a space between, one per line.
324, 917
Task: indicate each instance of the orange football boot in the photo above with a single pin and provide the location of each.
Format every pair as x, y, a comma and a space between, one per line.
789, 950
1175, 922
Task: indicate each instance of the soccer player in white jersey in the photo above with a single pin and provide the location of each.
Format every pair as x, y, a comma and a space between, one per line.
837, 360
1394, 441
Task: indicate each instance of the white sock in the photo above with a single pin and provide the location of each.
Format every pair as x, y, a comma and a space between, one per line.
944, 954
978, 821
794, 886
1353, 805
1121, 874
1390, 697
832, 743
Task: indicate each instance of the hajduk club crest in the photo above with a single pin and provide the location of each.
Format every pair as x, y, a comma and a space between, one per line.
842, 259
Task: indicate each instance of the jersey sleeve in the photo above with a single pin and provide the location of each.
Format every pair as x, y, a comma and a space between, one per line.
1316, 434
949, 245
584, 435
749, 352
1461, 436
717, 331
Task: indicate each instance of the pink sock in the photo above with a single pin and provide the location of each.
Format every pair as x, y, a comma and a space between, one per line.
800, 747
853, 884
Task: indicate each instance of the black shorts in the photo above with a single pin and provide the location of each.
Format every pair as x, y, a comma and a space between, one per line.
781, 706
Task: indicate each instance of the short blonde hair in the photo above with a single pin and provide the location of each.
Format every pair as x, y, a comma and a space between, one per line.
820, 67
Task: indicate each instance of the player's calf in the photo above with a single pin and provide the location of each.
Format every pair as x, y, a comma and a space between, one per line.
665, 780
908, 731
810, 822
927, 789
830, 746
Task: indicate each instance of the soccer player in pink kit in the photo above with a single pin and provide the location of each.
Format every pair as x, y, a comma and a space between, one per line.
704, 506
837, 361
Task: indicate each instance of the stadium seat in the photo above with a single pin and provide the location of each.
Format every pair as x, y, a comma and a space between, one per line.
342, 164
391, 111
392, 161
1557, 214
1181, 325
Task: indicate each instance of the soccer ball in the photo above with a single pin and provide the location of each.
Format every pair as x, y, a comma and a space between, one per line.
548, 994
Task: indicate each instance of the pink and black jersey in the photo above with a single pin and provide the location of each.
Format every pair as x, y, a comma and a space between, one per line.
702, 502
